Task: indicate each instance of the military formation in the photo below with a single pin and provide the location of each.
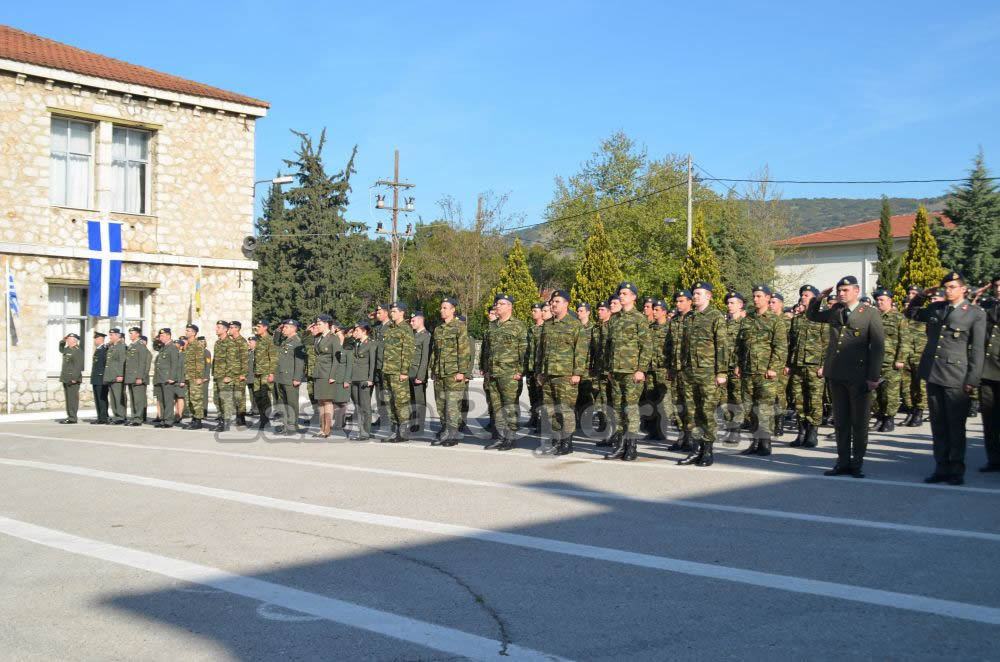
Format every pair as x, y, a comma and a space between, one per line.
680, 372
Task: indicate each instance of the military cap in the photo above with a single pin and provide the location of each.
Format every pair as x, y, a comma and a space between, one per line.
658, 303
628, 286
135, 328
831, 297
262, 322
761, 288
701, 285
143, 339
939, 292
778, 295
503, 297
222, 323
733, 294
180, 342
237, 324
847, 280
291, 322
72, 335
165, 330
563, 294
682, 293
115, 330
604, 304
584, 305
363, 324
98, 333
399, 305
193, 327
416, 313
614, 297
881, 292
809, 288
866, 300
951, 276
537, 306
450, 300
649, 300
914, 286
322, 317
382, 306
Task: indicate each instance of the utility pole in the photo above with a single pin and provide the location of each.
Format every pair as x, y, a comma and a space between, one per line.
690, 220
394, 233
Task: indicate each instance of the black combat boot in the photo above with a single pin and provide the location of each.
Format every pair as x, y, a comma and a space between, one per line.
509, 441
779, 425
707, 459
631, 449
810, 440
565, 446
195, 424
764, 448
888, 424
918, 418
801, 436
220, 426
619, 450
752, 448
241, 420
694, 457
687, 445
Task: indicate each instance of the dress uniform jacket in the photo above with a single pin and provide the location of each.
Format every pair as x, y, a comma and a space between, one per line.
956, 342
857, 341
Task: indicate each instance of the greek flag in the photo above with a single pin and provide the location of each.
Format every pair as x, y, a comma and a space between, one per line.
15, 306
105, 243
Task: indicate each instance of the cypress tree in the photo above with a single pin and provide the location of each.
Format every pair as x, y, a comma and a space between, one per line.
701, 264
921, 263
274, 280
598, 273
516, 280
973, 247
888, 264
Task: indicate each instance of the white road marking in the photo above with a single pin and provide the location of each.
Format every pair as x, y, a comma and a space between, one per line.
583, 494
392, 625
853, 593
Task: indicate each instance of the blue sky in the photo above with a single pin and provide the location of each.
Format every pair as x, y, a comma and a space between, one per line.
507, 96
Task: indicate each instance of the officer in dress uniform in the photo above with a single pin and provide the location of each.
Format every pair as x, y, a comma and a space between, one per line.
952, 364
989, 386
71, 374
289, 376
418, 370
97, 378
138, 360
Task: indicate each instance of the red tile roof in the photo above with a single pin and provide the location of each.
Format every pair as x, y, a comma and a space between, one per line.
25, 47
864, 231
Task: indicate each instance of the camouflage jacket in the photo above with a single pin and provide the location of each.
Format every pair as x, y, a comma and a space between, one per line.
598, 358
704, 343
762, 343
450, 353
658, 347
733, 327
194, 366
628, 343
897, 349
806, 342
397, 349
265, 357
563, 348
534, 334
223, 356
505, 348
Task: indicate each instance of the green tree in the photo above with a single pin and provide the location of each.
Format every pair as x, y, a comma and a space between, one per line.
973, 246
550, 269
516, 280
598, 273
921, 263
888, 264
701, 264
274, 280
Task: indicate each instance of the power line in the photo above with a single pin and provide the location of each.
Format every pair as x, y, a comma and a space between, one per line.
830, 181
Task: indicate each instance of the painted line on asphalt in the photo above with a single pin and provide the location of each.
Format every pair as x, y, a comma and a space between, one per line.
668, 464
270, 595
849, 592
576, 493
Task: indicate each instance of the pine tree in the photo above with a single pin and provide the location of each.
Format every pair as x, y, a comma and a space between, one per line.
598, 273
516, 280
921, 265
888, 264
701, 264
973, 246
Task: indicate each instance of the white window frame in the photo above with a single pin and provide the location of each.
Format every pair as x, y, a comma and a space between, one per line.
146, 198
142, 321
68, 153
74, 320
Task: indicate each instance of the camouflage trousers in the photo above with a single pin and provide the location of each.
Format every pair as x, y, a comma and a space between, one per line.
534, 394
241, 397
599, 389
658, 392
781, 393
758, 396
808, 389
559, 404
398, 395
502, 391
887, 396
914, 389
682, 401
625, 393
733, 400
225, 398
195, 399
448, 397
703, 396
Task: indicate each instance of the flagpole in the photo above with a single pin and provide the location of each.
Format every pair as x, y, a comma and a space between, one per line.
6, 332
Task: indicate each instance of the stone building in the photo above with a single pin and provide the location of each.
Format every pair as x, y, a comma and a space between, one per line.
86, 137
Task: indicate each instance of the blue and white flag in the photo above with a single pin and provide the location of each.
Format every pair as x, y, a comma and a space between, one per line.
105, 244
15, 306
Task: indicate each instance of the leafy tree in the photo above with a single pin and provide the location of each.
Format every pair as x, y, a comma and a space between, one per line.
516, 280
888, 264
274, 281
973, 246
701, 264
598, 273
921, 265
550, 269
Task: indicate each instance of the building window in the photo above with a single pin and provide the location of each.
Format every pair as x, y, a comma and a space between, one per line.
71, 162
130, 170
132, 311
67, 314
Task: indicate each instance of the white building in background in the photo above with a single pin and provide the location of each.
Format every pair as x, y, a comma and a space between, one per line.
822, 258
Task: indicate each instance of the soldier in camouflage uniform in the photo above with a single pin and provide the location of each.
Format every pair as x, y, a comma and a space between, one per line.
682, 404
777, 306
734, 411
484, 349
241, 368
534, 388
222, 377
378, 329
656, 384
806, 350
628, 362
562, 356
194, 370
897, 351
503, 367
762, 347
450, 365
397, 356
705, 364
265, 363
597, 359
585, 394
914, 389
